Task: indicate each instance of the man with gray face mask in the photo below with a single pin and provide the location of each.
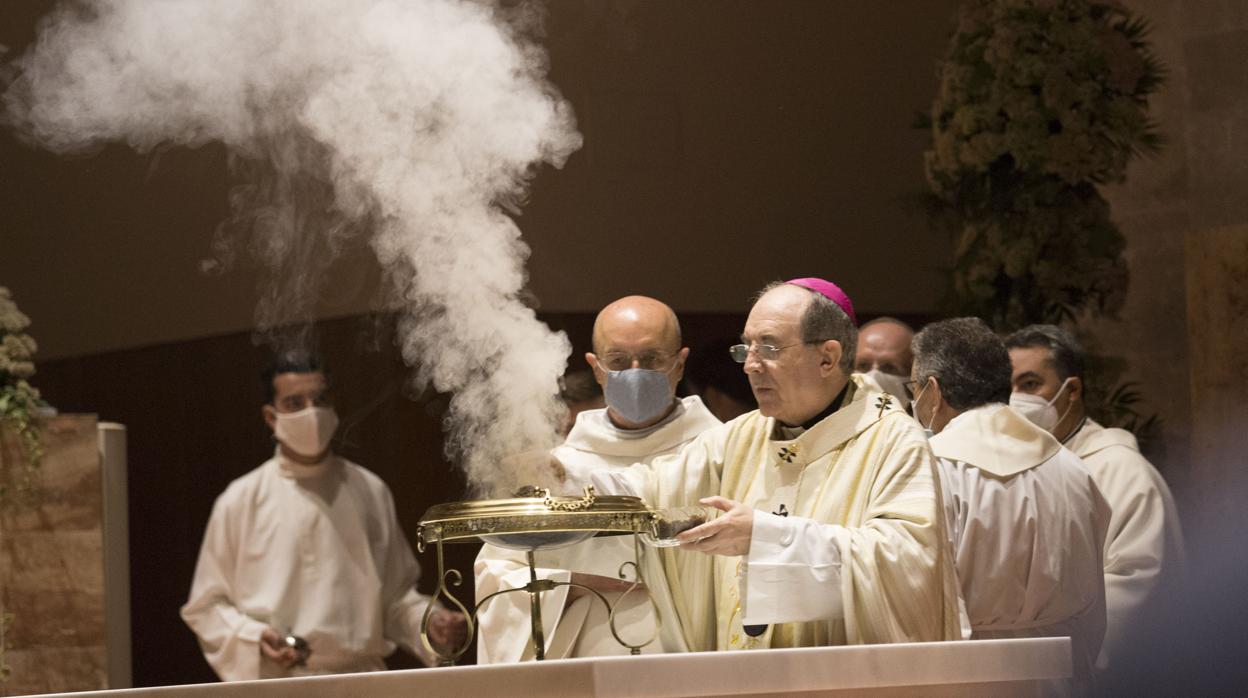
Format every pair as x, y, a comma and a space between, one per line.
304, 569
638, 359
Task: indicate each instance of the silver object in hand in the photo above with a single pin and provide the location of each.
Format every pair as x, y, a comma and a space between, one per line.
301, 648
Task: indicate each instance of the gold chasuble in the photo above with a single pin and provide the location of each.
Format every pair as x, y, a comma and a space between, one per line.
849, 542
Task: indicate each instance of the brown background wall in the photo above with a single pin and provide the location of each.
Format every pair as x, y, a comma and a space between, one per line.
1185, 215
776, 134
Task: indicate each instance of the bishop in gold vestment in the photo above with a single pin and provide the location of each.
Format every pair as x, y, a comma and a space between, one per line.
830, 530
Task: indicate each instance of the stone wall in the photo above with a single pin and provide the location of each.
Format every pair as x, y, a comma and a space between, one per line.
52, 565
1194, 188
1217, 276
1213, 36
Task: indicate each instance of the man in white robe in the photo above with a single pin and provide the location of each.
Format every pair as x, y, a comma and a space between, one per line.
634, 338
1025, 519
1144, 557
307, 546
831, 530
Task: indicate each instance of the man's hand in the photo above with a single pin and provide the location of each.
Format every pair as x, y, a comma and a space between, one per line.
273, 646
729, 534
447, 630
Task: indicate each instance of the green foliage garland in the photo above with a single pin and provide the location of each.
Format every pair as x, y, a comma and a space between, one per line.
1040, 101
19, 401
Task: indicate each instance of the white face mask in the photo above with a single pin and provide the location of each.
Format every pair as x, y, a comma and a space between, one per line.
914, 410
893, 385
1040, 412
308, 431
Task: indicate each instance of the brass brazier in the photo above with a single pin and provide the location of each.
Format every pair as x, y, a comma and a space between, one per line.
534, 520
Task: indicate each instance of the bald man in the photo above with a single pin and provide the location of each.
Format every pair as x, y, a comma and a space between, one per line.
638, 359
884, 355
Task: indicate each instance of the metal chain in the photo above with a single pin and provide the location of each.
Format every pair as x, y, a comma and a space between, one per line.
584, 502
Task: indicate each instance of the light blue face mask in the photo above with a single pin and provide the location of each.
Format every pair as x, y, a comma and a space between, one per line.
638, 394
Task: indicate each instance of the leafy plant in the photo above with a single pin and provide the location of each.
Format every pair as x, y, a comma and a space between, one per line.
19, 400
19, 404
1040, 102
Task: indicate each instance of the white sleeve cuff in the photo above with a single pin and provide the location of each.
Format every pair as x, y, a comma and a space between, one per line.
792, 572
251, 630
774, 533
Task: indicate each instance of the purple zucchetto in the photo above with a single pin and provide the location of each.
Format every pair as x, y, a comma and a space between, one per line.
830, 291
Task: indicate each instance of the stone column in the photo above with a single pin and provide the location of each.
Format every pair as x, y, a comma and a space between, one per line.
1185, 214
1214, 69
52, 564
1217, 308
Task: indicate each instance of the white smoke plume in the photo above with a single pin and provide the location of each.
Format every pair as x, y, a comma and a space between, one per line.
412, 121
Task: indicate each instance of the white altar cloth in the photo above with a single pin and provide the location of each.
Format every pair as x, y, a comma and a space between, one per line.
968, 668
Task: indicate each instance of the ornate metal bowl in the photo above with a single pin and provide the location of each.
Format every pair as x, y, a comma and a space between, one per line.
532, 520
536, 521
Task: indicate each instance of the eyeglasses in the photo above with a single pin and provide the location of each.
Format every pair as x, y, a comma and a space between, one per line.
910, 387
766, 352
649, 360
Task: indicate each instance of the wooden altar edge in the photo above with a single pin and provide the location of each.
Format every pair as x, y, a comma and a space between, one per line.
976, 667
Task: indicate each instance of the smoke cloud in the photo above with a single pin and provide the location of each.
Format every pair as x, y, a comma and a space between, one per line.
415, 122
